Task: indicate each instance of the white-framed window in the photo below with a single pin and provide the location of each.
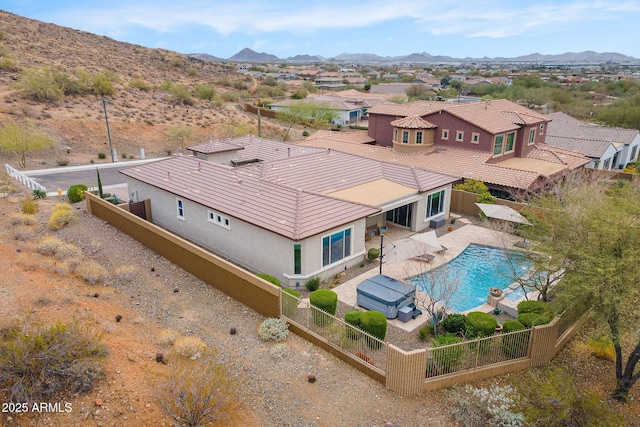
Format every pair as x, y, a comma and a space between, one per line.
405, 137
475, 138
218, 219
532, 136
395, 135
445, 133
511, 139
459, 136
607, 164
180, 208
497, 145
435, 203
336, 247
419, 137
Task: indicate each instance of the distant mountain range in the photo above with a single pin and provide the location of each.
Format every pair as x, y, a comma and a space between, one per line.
587, 57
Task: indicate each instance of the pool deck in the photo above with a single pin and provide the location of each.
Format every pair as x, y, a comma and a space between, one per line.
405, 249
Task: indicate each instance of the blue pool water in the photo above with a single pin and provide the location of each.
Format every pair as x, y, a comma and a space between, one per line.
477, 269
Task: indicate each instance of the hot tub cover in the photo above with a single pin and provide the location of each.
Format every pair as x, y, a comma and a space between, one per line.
385, 294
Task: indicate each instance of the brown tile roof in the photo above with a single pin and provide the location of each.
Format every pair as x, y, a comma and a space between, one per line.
252, 147
412, 122
418, 108
459, 162
241, 193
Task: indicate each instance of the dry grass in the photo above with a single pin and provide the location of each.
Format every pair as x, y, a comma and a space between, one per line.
23, 219
30, 206
167, 338
91, 272
125, 273
190, 347
49, 245
62, 215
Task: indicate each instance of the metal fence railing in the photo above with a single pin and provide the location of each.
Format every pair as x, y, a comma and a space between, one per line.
340, 334
477, 353
24, 179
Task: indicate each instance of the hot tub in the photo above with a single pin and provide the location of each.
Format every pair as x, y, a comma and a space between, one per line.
385, 294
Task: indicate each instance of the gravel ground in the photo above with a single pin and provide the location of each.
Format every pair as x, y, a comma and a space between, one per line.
276, 390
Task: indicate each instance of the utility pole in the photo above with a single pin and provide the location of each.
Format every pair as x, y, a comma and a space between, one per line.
106, 119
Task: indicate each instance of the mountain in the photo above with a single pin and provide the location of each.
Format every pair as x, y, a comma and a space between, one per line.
248, 55
306, 58
206, 57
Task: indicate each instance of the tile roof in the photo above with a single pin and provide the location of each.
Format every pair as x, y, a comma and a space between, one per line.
252, 147
459, 162
412, 122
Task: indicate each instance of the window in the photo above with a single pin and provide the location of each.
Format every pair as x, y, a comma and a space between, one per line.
475, 138
405, 137
180, 206
297, 259
435, 203
511, 137
541, 128
395, 134
218, 219
419, 137
336, 247
633, 154
459, 136
445, 133
532, 136
497, 145
607, 164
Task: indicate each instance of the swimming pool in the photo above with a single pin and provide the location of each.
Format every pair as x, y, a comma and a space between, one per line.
477, 269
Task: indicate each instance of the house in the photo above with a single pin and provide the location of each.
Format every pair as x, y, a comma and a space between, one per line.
287, 210
498, 142
607, 147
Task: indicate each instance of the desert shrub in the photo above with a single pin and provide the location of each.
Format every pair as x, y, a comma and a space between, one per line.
480, 325
196, 392
206, 92
495, 406
102, 155
68, 251
125, 273
167, 338
312, 284
48, 245
91, 272
75, 193
190, 347
29, 206
374, 323
38, 362
59, 218
353, 319
602, 348
269, 278
273, 329
514, 345
446, 359
102, 85
426, 331
22, 234
538, 307
305, 133
533, 319
39, 194
290, 300
140, 84
373, 253
325, 300
279, 351
229, 97
23, 219
41, 84
455, 323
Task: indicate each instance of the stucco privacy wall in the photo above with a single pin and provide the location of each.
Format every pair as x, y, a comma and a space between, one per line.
234, 281
252, 247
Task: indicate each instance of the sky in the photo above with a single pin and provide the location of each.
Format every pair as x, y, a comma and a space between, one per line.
285, 28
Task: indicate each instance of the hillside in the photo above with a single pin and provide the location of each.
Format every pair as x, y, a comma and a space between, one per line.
137, 118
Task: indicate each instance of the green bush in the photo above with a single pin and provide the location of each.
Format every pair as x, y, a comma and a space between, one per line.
39, 194
539, 307
269, 278
140, 84
373, 253
480, 325
533, 319
455, 323
353, 318
38, 363
102, 156
75, 193
512, 326
327, 301
312, 284
425, 332
374, 323
514, 345
290, 298
446, 359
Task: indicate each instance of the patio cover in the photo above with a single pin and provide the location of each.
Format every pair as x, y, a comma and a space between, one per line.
503, 212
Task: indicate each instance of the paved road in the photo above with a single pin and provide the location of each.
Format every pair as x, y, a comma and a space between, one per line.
65, 177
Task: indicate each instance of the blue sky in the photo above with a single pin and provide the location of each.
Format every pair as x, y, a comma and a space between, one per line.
458, 28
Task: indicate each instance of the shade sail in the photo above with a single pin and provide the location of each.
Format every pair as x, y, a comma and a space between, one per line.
503, 212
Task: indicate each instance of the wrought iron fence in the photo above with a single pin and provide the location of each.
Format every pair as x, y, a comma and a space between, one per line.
477, 353
346, 337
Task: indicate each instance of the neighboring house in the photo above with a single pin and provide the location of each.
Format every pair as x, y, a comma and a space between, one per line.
329, 83
287, 210
498, 142
607, 147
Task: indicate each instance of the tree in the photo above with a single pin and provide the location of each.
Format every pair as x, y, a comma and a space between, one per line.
20, 140
309, 113
592, 227
180, 134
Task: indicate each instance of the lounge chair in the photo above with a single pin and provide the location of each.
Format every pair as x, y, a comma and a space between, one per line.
425, 257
